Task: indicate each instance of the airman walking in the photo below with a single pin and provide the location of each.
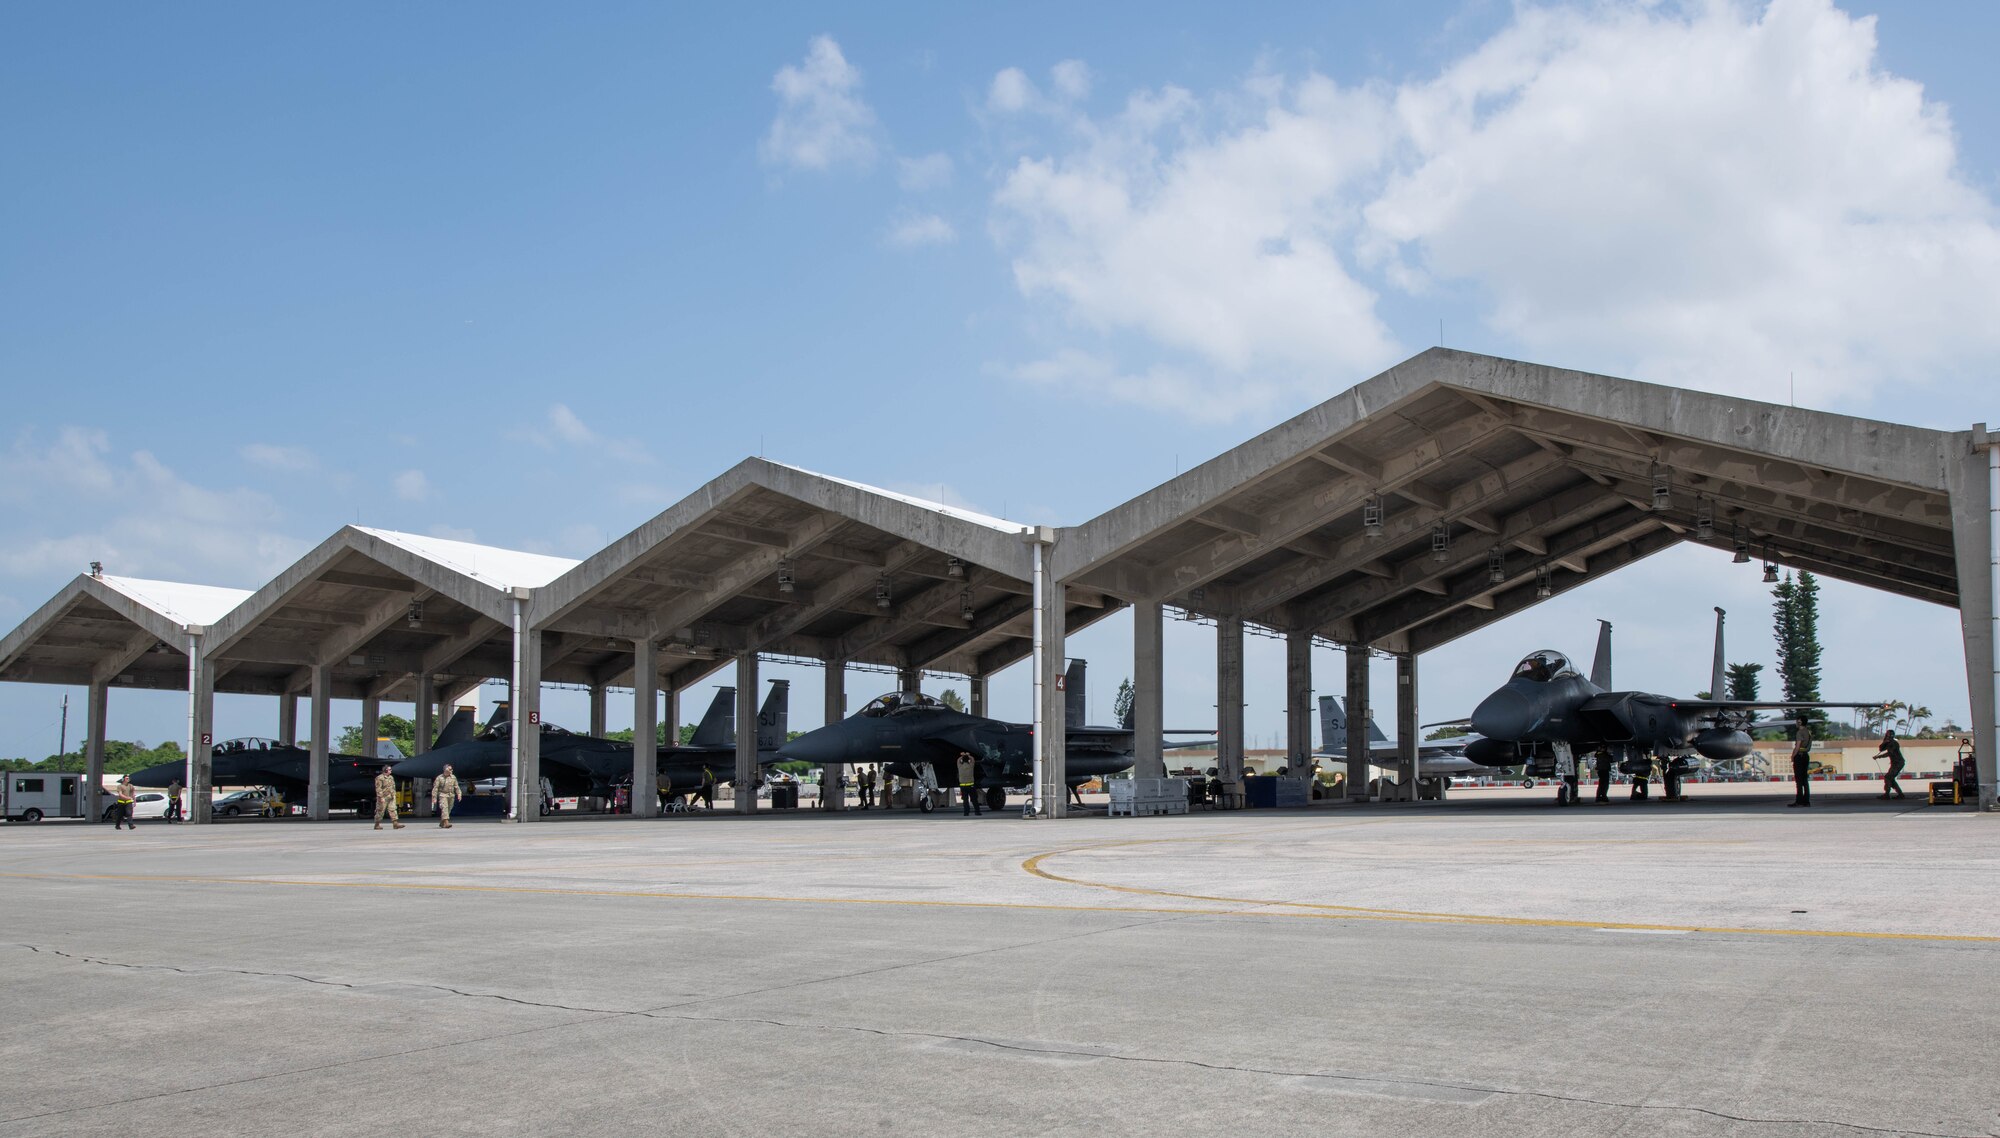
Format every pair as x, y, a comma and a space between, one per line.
385, 798
444, 791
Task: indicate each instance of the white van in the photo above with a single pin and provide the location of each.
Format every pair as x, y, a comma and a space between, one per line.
30, 796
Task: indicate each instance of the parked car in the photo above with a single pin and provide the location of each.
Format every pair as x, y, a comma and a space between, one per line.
145, 804
261, 802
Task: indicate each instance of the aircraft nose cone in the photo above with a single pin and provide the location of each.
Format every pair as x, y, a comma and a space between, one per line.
817, 747
1504, 715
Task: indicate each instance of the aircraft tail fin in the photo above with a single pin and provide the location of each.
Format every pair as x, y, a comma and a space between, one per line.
1718, 674
718, 724
1600, 668
457, 729
1375, 733
501, 709
1332, 726
1073, 704
773, 716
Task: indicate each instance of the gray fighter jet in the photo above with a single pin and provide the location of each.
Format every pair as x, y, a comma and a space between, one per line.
1546, 709
1436, 759
577, 765
906, 730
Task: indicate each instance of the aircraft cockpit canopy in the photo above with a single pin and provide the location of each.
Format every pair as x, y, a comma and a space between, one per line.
247, 743
504, 729
1543, 666
898, 701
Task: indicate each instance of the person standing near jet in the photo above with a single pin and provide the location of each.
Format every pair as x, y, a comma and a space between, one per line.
865, 778
1894, 752
121, 809
968, 790
1802, 764
174, 801
1604, 774
385, 798
444, 791
707, 786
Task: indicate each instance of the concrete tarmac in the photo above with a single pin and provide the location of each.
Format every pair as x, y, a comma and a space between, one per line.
1492, 965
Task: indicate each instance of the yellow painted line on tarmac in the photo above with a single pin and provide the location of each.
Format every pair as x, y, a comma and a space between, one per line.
1034, 865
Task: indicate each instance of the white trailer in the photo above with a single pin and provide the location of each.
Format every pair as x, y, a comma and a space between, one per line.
30, 796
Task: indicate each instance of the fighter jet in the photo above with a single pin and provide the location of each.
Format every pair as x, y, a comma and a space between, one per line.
1547, 709
252, 761
576, 764
1435, 759
907, 730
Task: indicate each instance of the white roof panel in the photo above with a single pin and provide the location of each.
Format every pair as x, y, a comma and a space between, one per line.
180, 602
500, 568
962, 514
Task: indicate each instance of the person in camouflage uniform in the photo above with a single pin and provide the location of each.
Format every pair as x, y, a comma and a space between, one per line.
444, 792
385, 799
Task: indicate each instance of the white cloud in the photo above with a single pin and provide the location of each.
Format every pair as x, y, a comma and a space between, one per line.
822, 120
274, 457
916, 230
1071, 79
412, 486
568, 427
143, 519
1011, 91
1711, 199
931, 172
1707, 195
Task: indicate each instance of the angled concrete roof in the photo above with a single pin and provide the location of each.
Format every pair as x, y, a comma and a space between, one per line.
348, 603
1541, 474
702, 579
123, 631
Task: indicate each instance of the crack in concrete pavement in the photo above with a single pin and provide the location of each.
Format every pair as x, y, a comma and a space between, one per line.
1355, 1082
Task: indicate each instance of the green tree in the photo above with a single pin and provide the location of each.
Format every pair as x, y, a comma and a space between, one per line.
1448, 733
120, 757
951, 699
681, 734
1122, 705
395, 728
1796, 628
1742, 680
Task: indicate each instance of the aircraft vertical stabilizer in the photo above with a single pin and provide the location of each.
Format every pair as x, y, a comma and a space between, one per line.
1073, 694
457, 729
1719, 675
1600, 668
718, 725
773, 717
1332, 726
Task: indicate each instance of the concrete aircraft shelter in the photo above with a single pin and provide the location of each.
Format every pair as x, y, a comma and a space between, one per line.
1454, 490
1448, 492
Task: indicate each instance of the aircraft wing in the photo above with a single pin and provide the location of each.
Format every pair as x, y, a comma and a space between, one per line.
1699, 706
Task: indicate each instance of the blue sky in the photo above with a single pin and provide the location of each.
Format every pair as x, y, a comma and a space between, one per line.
526, 277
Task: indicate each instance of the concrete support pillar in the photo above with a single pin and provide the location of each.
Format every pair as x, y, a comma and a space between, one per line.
93, 751
1973, 482
425, 714
288, 720
832, 797
525, 709
371, 723
645, 728
1051, 734
1298, 701
670, 714
319, 725
1148, 690
597, 716
1406, 722
910, 679
1229, 698
1358, 714
976, 695
746, 733
201, 727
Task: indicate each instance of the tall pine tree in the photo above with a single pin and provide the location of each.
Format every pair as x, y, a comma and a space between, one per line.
1796, 627
1742, 680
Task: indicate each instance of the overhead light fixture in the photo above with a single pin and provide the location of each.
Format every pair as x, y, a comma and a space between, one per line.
1545, 581
1496, 567
1770, 565
1440, 542
965, 610
1704, 518
1371, 517
1663, 491
955, 569
1742, 548
97, 569
785, 582
416, 614
882, 592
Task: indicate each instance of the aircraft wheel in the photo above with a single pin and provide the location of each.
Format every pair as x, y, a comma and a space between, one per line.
996, 798
1527, 784
924, 803
31, 815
